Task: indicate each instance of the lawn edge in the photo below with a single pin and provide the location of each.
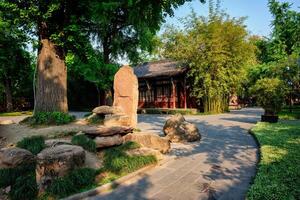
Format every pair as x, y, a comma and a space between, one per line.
112, 185
251, 132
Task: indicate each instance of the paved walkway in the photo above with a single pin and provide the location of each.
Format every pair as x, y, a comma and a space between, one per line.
221, 166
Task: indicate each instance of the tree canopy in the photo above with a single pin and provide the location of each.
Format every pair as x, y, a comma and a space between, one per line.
62, 27
217, 51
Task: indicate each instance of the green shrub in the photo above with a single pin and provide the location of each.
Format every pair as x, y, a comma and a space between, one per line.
34, 144
83, 177
270, 94
8, 176
72, 183
61, 187
117, 161
96, 119
49, 118
24, 188
84, 142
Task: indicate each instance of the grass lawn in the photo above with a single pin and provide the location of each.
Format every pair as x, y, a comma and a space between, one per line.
287, 115
278, 175
12, 114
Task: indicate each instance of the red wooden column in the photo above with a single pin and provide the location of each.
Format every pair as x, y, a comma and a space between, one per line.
184, 93
173, 93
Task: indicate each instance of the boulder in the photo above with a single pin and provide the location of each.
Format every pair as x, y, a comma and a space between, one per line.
117, 120
144, 151
108, 131
179, 130
56, 142
126, 93
109, 141
56, 162
13, 157
105, 110
149, 140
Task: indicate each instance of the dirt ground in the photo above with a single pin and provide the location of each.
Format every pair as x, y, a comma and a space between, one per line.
14, 132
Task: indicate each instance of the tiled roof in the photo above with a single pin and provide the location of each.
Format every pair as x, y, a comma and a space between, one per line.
158, 68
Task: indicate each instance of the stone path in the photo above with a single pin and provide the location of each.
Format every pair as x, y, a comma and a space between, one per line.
221, 166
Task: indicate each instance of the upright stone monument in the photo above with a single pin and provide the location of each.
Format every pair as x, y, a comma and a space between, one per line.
126, 93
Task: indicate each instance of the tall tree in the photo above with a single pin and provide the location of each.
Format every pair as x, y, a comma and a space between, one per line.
286, 27
57, 24
217, 51
126, 28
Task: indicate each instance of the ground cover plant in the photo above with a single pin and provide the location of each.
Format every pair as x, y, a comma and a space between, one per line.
278, 175
85, 142
72, 183
22, 181
116, 163
49, 118
34, 144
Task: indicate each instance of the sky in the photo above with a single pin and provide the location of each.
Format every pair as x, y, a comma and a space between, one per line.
258, 16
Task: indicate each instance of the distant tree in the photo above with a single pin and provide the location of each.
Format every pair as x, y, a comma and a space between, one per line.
93, 69
127, 28
285, 35
217, 50
15, 65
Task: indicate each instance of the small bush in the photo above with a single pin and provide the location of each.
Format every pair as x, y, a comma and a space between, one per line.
83, 177
49, 118
8, 176
24, 188
84, 142
117, 161
270, 94
34, 144
72, 183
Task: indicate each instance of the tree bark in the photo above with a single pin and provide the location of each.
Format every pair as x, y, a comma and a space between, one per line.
51, 87
8, 95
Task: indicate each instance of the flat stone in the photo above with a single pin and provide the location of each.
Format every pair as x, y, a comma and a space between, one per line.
56, 142
105, 110
150, 140
108, 131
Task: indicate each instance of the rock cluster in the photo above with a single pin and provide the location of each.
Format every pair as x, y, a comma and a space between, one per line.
177, 129
105, 136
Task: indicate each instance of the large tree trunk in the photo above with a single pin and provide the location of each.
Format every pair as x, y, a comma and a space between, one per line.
51, 88
8, 95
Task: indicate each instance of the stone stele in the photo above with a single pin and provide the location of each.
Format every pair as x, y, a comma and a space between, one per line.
126, 93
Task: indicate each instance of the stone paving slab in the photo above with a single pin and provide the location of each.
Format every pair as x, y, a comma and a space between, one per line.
221, 166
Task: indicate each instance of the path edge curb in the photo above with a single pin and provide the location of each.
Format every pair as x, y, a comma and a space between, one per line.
251, 132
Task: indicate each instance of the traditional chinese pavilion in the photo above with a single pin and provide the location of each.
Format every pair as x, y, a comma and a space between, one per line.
163, 84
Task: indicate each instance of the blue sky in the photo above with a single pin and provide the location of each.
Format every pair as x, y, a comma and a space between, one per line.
258, 21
